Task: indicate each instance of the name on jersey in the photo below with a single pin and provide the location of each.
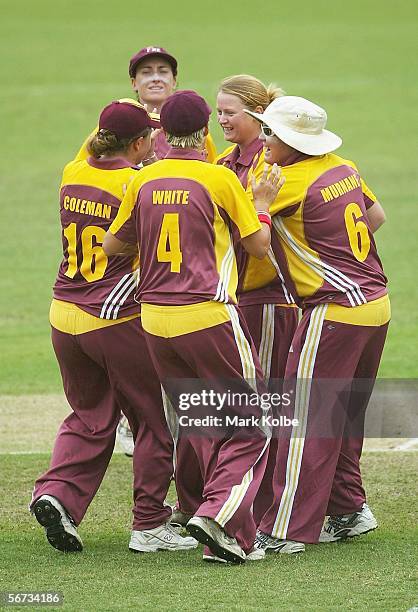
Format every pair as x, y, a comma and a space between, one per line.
170, 196
340, 188
87, 207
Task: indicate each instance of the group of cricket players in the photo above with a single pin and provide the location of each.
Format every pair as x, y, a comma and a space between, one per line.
226, 305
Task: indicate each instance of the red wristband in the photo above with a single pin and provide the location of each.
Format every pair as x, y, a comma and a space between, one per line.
264, 217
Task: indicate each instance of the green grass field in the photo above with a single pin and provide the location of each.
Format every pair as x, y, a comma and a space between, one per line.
375, 572
61, 63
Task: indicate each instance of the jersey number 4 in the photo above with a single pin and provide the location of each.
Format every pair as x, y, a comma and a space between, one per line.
168, 248
94, 259
358, 233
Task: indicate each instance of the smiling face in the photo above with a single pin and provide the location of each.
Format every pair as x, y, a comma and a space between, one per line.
275, 150
237, 126
154, 82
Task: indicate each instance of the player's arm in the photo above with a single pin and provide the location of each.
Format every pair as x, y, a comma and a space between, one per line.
264, 194
374, 210
114, 246
120, 238
83, 151
258, 244
375, 216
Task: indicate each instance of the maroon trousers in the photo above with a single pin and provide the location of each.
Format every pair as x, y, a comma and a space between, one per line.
232, 466
272, 328
103, 372
317, 469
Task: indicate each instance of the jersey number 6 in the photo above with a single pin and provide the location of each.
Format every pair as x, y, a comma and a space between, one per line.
168, 248
358, 233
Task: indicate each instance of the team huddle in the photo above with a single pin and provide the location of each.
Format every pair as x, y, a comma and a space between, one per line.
187, 275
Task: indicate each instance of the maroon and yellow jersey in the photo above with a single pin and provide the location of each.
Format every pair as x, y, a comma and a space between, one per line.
180, 210
90, 196
321, 225
259, 281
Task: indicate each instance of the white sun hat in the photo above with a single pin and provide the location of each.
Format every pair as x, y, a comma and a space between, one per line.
300, 124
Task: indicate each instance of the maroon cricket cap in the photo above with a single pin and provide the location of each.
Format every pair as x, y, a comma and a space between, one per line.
126, 119
147, 52
184, 112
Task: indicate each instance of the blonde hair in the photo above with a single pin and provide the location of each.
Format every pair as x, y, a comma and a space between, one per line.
251, 91
105, 142
191, 141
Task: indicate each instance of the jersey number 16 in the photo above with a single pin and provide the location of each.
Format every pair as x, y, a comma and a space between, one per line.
94, 259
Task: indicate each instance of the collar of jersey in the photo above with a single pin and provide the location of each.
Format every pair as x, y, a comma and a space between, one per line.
179, 153
113, 163
247, 157
295, 157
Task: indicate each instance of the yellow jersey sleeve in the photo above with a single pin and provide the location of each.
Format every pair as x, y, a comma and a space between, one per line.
229, 195
293, 191
83, 153
123, 225
369, 197
210, 149
224, 153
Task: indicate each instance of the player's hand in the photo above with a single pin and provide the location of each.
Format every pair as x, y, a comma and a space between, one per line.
150, 156
269, 185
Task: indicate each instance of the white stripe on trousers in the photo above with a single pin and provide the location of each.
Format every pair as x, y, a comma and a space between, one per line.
239, 491
267, 339
172, 423
244, 348
302, 397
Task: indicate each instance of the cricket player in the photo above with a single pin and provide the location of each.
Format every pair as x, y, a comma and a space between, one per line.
100, 347
153, 74
179, 210
267, 306
323, 220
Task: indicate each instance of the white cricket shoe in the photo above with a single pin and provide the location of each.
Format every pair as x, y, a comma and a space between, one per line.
58, 524
348, 525
257, 554
124, 437
179, 518
266, 542
207, 531
164, 537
